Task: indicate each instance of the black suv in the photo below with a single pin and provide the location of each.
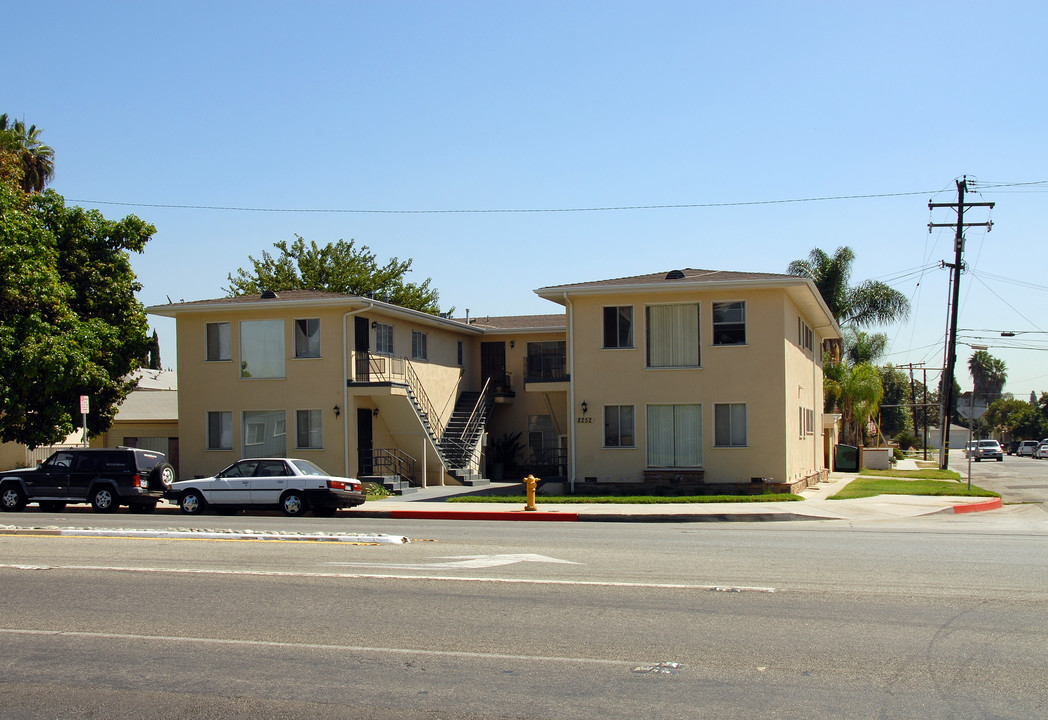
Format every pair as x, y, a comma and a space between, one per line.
105, 477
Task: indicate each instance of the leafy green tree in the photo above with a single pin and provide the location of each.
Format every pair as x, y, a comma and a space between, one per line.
868, 303
338, 267
70, 324
862, 347
28, 159
894, 406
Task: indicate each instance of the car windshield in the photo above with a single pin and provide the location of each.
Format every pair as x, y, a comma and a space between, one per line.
988, 443
307, 468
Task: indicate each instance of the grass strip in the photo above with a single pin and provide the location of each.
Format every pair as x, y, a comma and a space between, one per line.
626, 499
870, 486
927, 474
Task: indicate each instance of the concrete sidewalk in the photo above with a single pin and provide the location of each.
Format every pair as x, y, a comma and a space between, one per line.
431, 504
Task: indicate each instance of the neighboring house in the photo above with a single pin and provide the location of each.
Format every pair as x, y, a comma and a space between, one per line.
148, 417
671, 380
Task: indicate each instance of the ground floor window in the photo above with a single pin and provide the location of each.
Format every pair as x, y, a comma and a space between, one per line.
265, 433
618, 426
309, 433
674, 435
729, 425
220, 430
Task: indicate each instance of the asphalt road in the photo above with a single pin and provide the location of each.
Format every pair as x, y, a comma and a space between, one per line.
1017, 479
935, 617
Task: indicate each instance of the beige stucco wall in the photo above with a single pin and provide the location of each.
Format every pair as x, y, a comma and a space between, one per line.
511, 414
755, 374
803, 390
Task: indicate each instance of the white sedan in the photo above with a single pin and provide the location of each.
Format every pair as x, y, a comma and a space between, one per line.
293, 486
1042, 450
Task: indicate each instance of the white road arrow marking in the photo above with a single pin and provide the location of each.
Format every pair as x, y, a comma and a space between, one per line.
463, 562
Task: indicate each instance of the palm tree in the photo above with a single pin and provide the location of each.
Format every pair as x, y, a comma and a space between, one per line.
856, 391
988, 375
23, 144
868, 303
862, 347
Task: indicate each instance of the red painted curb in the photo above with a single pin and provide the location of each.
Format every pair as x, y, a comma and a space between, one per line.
481, 515
978, 507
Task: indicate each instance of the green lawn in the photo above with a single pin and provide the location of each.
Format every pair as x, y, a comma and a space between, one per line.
625, 499
869, 486
913, 474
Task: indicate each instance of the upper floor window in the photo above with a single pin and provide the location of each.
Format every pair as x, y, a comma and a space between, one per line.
805, 336
384, 339
307, 338
618, 327
262, 349
219, 341
673, 335
459, 352
729, 323
418, 345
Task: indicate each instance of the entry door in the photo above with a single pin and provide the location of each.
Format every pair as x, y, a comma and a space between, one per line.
365, 443
362, 344
493, 364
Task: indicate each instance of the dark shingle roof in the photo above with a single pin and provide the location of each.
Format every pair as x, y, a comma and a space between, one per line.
689, 275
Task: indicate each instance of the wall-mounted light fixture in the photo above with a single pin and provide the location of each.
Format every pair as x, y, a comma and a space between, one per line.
337, 411
585, 407
374, 324
511, 343
374, 413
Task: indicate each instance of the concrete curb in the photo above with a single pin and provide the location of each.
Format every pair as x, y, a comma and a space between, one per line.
994, 504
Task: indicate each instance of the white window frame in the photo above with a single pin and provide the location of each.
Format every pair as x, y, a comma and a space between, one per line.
225, 430
383, 339
674, 320
419, 343
224, 339
314, 429
307, 344
733, 409
729, 306
629, 342
266, 339
618, 422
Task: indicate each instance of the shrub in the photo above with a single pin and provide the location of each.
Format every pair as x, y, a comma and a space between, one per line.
907, 440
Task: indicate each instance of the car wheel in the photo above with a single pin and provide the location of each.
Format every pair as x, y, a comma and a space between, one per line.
192, 502
162, 477
12, 499
324, 511
104, 500
293, 503
143, 507
52, 506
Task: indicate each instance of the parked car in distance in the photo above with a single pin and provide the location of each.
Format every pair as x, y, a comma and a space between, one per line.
1027, 447
989, 450
969, 448
105, 477
1042, 450
293, 486
1011, 447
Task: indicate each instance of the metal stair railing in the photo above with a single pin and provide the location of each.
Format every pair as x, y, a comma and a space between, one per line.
425, 407
390, 461
465, 448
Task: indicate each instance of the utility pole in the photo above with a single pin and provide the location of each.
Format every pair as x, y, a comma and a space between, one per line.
958, 264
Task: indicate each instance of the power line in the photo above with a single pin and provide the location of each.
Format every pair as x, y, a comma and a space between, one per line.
610, 208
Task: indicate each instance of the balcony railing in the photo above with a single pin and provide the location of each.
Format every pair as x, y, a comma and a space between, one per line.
546, 367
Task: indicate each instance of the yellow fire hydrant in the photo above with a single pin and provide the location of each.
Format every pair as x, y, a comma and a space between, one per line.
531, 482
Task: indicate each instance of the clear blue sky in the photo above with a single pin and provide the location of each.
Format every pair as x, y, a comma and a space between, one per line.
387, 106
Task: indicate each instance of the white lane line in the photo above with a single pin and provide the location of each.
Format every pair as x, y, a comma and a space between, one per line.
315, 646
378, 576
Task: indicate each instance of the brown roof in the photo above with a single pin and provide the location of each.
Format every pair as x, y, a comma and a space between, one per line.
520, 322
690, 275
254, 298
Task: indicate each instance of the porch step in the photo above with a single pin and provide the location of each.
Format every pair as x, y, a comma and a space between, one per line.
469, 477
394, 483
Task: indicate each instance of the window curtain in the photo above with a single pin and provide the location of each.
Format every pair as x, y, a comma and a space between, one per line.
673, 335
674, 435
